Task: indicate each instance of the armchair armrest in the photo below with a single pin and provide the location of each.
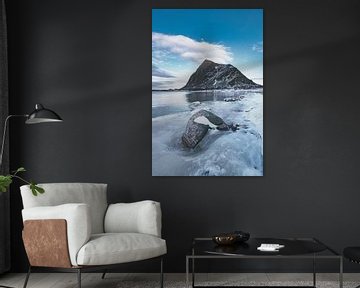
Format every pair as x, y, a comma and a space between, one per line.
138, 217
77, 217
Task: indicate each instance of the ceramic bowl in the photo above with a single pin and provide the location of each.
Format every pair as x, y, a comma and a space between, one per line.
225, 239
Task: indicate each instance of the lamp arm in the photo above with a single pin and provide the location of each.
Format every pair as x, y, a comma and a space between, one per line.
4, 134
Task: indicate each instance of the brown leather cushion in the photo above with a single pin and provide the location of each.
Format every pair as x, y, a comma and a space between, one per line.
46, 243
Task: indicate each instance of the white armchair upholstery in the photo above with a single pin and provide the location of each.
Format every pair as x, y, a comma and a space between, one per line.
94, 195
97, 233
140, 217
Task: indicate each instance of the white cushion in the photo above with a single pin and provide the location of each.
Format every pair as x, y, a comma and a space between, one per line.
113, 248
138, 217
62, 193
77, 218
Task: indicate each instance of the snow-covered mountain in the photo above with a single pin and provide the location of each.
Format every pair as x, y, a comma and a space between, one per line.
210, 75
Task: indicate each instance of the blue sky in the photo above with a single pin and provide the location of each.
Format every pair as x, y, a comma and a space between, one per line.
183, 38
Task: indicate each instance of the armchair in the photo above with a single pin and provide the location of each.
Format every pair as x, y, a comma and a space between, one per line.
71, 228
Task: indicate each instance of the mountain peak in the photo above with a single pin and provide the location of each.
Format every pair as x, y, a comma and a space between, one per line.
206, 64
210, 76
207, 61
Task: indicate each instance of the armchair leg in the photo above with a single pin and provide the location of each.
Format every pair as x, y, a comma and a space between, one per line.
79, 277
103, 275
27, 277
161, 272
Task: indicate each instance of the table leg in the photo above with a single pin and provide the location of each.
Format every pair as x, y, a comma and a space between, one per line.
314, 271
187, 272
193, 267
341, 273
193, 272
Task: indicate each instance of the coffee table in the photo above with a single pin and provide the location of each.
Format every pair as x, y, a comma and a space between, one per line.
295, 248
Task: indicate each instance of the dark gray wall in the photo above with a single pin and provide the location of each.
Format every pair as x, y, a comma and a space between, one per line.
4, 166
90, 61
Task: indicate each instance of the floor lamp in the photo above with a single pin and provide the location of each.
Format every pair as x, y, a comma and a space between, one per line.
39, 115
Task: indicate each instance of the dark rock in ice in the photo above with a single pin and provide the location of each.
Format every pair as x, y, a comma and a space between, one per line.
210, 75
199, 124
230, 99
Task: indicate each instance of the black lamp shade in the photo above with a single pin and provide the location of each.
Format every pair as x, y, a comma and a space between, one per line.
42, 115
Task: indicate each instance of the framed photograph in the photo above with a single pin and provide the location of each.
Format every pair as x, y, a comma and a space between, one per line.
207, 92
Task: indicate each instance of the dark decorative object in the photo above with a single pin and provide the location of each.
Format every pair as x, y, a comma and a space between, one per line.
231, 238
242, 236
352, 254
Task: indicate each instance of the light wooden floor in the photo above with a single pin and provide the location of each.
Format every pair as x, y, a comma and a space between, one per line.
113, 280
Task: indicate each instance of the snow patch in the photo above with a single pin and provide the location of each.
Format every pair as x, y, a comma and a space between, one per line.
203, 120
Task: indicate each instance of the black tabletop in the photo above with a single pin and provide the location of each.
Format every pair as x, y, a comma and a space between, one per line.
291, 247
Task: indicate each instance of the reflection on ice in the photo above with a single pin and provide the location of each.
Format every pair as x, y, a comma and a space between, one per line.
219, 153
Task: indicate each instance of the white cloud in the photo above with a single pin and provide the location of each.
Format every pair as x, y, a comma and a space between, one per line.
157, 71
164, 83
258, 47
176, 82
190, 49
